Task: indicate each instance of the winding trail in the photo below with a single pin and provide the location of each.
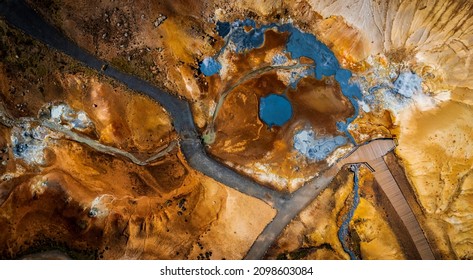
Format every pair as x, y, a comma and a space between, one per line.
368, 154
288, 211
68, 133
244, 79
20, 15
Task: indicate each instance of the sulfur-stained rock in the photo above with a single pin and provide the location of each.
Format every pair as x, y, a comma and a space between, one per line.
438, 165
94, 170
314, 233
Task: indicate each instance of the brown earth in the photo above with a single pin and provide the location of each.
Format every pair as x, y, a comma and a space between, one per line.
94, 206
313, 233
163, 42
246, 143
88, 203
438, 165
33, 76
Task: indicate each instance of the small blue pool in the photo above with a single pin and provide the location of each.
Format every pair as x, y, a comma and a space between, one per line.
210, 66
275, 109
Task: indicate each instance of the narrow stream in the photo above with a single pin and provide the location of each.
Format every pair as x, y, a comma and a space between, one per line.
343, 231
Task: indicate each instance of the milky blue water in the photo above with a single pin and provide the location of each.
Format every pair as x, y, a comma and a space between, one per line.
343, 231
305, 44
275, 109
223, 28
326, 64
210, 66
299, 44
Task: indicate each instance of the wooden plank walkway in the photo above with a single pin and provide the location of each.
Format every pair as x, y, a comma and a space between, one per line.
370, 151
372, 155
399, 202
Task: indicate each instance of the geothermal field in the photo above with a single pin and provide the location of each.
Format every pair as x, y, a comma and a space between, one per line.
211, 130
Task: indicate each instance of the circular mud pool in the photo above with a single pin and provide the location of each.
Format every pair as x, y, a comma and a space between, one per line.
275, 109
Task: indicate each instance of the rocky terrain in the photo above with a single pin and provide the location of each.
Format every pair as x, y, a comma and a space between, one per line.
94, 169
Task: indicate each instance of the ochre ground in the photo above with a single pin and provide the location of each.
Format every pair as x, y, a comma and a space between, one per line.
32, 76
434, 143
143, 212
243, 141
313, 233
438, 165
90, 204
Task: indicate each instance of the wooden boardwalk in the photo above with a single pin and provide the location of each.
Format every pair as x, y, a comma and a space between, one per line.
372, 154
370, 151
399, 202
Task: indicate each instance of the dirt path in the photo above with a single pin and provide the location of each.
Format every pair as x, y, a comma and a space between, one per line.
18, 14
